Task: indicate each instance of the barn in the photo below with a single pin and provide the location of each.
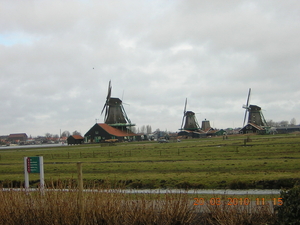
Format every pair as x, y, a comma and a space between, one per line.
75, 140
102, 132
19, 137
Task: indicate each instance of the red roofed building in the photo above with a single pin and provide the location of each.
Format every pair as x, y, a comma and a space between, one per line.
102, 131
17, 137
75, 140
252, 128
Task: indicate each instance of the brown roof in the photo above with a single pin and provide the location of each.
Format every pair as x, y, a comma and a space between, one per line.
256, 126
115, 131
77, 136
18, 135
207, 130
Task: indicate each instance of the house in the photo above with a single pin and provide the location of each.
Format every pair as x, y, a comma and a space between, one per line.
75, 140
18, 137
102, 132
3, 139
220, 132
185, 134
252, 128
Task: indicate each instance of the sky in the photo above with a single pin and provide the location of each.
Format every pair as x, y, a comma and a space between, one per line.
58, 56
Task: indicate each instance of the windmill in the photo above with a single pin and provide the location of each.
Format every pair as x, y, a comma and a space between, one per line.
115, 114
189, 120
254, 112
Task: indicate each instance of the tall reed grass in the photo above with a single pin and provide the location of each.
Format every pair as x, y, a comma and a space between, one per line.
107, 206
97, 207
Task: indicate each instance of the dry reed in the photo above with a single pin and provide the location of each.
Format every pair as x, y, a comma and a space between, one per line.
107, 206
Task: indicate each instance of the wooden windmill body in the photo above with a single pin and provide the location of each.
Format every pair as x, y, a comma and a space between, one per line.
115, 114
189, 121
256, 119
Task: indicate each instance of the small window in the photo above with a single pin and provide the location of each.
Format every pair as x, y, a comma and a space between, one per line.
96, 132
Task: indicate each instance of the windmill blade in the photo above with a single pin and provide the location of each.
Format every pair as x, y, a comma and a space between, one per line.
245, 117
246, 106
185, 106
248, 99
184, 111
108, 91
107, 98
182, 122
106, 113
103, 108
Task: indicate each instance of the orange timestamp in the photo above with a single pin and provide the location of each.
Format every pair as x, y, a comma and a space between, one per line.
237, 201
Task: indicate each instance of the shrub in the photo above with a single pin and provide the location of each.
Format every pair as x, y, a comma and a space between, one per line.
238, 185
183, 185
289, 212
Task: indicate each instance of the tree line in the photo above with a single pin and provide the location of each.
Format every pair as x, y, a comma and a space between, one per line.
63, 134
145, 129
283, 123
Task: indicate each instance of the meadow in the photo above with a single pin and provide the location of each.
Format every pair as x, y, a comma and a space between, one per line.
241, 161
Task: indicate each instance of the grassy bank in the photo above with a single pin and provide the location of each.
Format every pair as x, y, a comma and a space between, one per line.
258, 162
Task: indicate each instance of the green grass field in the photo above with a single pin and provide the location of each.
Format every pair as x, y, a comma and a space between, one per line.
261, 162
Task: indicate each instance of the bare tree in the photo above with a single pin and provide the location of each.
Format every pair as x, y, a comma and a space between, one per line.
133, 129
65, 134
76, 132
293, 121
148, 129
143, 129
271, 123
48, 135
284, 123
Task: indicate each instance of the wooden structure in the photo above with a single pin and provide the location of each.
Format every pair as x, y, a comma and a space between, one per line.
115, 114
205, 125
101, 132
252, 128
19, 137
75, 140
256, 120
189, 121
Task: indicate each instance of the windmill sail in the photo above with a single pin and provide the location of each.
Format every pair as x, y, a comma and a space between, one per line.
189, 121
255, 115
184, 111
246, 106
115, 114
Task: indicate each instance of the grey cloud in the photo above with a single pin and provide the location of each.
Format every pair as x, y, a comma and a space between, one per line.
55, 70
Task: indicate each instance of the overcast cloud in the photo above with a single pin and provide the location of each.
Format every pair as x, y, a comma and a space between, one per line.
57, 57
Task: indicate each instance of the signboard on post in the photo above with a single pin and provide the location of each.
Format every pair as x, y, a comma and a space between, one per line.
34, 164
